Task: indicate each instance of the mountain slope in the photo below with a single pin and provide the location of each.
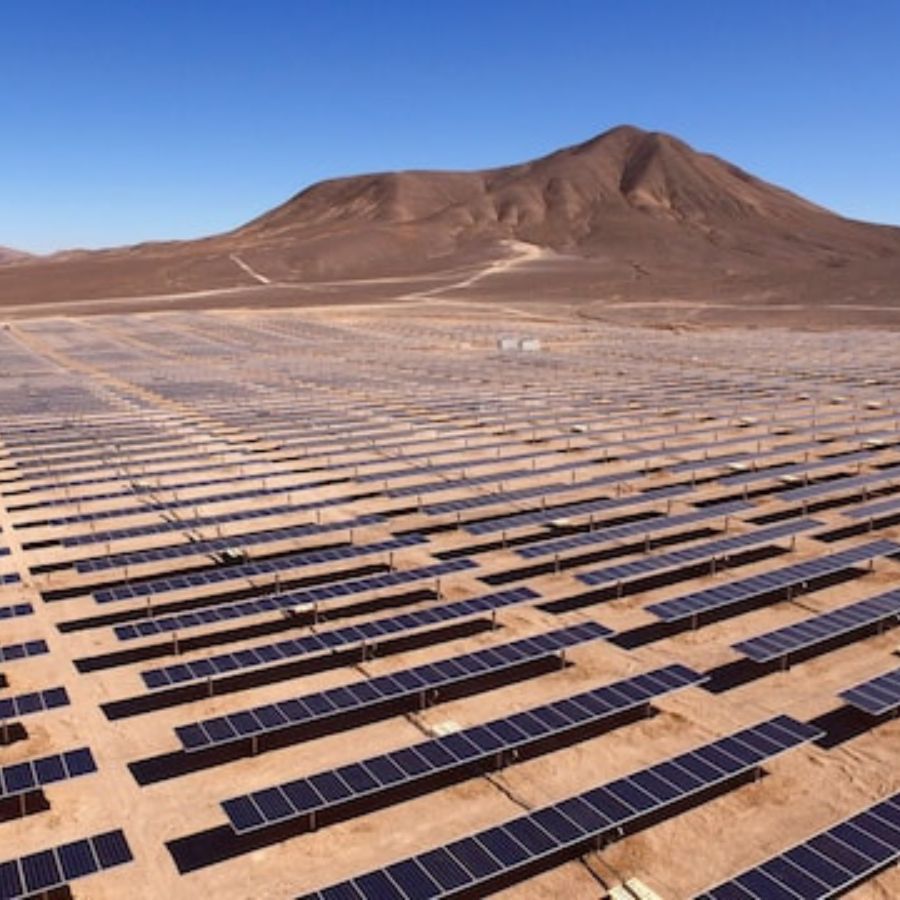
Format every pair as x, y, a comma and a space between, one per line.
8, 255
627, 207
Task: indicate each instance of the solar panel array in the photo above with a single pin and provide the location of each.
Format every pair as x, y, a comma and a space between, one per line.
648, 565
328, 641
384, 689
820, 629
480, 743
13, 652
878, 696
617, 532
156, 586
30, 775
543, 516
38, 873
32, 702
217, 545
16, 610
274, 603
500, 854
827, 865
747, 589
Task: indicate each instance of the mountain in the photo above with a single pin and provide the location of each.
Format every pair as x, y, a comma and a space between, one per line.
8, 255
628, 216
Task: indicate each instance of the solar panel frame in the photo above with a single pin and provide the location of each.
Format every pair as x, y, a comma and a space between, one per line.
329, 641
557, 829
735, 592
829, 863
320, 706
480, 743
820, 629
877, 696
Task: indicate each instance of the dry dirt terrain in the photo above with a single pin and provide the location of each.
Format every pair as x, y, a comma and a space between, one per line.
260, 513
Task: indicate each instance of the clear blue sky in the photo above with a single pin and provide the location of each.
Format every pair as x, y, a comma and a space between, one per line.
125, 120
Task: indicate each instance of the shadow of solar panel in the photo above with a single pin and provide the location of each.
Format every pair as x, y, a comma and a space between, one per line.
500, 855
370, 694
826, 865
507, 736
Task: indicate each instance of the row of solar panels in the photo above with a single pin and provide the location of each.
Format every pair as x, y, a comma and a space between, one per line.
16, 610
826, 865
788, 577
478, 863
39, 873
156, 586
478, 744
822, 628
194, 522
878, 696
370, 632
13, 652
618, 532
160, 506
708, 550
32, 702
30, 775
214, 545
375, 693
310, 596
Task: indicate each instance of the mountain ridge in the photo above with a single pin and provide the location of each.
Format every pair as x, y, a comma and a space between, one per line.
624, 201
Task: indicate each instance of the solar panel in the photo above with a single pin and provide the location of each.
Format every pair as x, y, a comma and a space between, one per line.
324, 593
40, 872
241, 515
826, 865
878, 696
30, 775
821, 629
757, 586
369, 633
874, 510
143, 589
603, 535
215, 545
797, 468
648, 565
385, 689
809, 492
16, 610
34, 702
476, 745
12, 652
541, 517
481, 861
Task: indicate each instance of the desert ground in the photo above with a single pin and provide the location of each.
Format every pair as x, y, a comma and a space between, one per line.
184, 485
